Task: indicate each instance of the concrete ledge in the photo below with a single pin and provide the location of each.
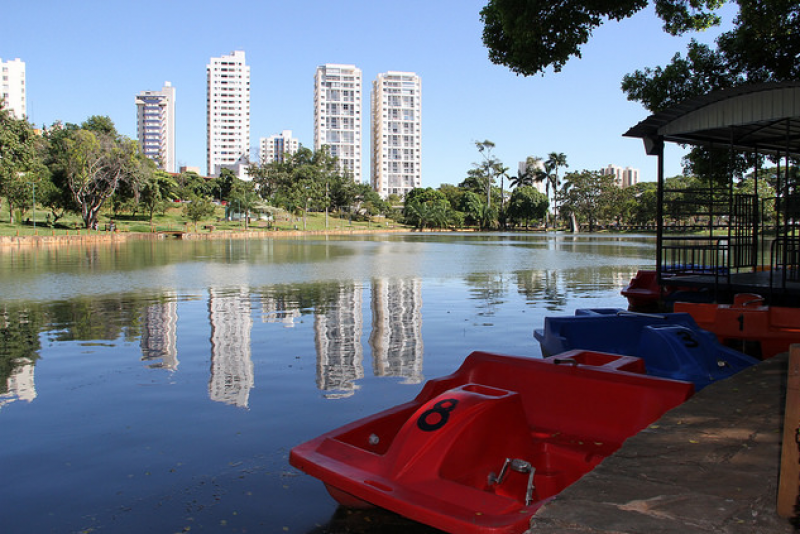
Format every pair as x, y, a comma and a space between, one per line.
709, 465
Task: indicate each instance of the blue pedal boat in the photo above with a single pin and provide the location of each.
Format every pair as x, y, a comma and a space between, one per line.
672, 345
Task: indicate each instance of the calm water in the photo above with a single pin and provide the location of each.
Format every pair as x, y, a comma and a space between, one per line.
159, 386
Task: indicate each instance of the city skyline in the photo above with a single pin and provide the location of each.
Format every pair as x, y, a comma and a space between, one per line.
580, 111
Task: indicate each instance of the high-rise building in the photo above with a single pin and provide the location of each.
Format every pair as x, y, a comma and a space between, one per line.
155, 125
275, 147
396, 133
337, 115
227, 112
12, 87
622, 177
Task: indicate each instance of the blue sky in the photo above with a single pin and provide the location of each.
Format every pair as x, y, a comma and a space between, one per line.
88, 58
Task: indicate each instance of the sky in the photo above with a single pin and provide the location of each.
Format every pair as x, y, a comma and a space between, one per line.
87, 58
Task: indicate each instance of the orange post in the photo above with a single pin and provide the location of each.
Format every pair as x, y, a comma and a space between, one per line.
789, 481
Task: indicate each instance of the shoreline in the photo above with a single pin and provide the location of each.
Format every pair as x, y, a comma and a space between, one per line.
118, 237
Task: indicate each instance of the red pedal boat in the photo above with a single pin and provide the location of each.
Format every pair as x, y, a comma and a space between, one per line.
481, 450
747, 324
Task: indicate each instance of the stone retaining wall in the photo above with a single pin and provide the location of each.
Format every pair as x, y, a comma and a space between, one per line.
115, 237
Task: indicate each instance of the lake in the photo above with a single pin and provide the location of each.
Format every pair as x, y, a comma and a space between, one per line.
158, 386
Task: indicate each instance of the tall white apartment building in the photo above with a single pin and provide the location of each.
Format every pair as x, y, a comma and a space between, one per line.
227, 112
337, 115
275, 147
622, 177
155, 125
12, 87
396, 133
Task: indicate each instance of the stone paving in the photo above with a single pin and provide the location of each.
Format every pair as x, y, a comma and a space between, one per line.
709, 465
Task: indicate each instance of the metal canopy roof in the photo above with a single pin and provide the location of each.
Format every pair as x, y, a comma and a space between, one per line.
757, 117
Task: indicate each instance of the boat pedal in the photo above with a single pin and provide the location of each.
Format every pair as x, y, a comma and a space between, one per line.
520, 466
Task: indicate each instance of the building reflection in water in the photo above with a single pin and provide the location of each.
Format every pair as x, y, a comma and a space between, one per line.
19, 386
19, 330
231, 363
337, 337
159, 340
275, 310
396, 337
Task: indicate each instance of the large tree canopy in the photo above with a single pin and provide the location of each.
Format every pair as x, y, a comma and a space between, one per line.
91, 161
529, 36
763, 45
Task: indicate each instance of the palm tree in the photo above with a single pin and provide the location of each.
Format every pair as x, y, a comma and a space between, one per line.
534, 172
488, 167
555, 160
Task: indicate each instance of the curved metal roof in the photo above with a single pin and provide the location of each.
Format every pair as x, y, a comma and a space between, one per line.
763, 117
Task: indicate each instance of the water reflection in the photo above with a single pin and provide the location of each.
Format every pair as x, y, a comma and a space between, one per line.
248, 343
19, 350
338, 327
159, 337
379, 318
396, 337
231, 362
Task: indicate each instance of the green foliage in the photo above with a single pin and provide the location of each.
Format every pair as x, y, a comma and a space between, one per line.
198, 208
526, 204
157, 191
90, 162
589, 196
472, 206
191, 185
427, 208
21, 167
528, 36
224, 183
534, 173
243, 198
309, 181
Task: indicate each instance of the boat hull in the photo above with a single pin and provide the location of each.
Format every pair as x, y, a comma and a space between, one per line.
440, 458
747, 324
671, 345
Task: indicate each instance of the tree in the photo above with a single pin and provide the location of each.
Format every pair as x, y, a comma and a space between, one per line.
645, 198
244, 197
763, 46
157, 190
306, 181
472, 207
224, 183
92, 161
584, 195
529, 36
526, 204
555, 160
534, 172
191, 184
198, 208
21, 167
427, 208
488, 168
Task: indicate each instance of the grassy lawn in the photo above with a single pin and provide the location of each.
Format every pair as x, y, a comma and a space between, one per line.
174, 220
